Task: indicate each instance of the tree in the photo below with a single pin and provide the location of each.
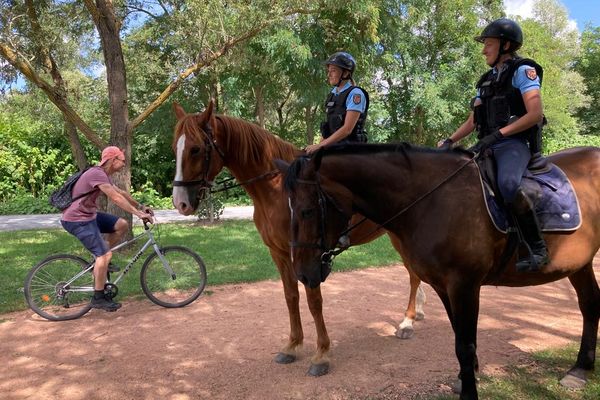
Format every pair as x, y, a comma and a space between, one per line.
24, 38
588, 65
428, 64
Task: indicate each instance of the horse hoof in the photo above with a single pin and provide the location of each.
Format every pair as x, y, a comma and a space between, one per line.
405, 333
573, 382
457, 386
282, 358
420, 316
318, 369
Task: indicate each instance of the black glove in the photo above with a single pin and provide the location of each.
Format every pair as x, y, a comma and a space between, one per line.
446, 144
486, 141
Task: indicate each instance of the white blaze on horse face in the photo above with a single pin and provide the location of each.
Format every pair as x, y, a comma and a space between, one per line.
179, 193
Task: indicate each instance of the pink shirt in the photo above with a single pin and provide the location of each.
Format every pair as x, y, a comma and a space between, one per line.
84, 209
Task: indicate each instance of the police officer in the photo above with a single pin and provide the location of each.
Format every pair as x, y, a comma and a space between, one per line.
507, 114
346, 106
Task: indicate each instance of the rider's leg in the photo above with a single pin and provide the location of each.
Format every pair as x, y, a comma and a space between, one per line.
530, 228
113, 228
512, 157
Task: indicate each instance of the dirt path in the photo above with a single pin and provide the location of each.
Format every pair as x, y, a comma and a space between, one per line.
222, 346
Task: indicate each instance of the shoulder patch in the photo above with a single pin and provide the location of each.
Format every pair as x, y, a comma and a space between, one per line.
356, 98
531, 73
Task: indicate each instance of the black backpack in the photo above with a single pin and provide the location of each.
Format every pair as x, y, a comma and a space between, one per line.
62, 198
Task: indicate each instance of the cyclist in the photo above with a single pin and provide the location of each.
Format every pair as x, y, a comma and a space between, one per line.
82, 220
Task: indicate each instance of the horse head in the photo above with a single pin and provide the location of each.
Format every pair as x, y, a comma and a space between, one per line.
198, 157
320, 211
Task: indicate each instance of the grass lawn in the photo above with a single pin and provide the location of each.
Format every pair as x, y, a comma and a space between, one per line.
536, 380
232, 251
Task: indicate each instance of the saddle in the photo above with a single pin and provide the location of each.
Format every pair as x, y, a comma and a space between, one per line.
547, 187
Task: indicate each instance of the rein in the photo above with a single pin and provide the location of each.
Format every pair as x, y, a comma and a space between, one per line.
329, 255
226, 186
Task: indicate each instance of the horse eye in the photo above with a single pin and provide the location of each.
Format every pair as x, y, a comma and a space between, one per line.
307, 213
195, 150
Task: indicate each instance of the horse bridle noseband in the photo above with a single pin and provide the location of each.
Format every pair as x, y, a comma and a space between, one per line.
210, 145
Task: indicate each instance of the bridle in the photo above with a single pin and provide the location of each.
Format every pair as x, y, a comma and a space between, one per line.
328, 254
343, 243
210, 145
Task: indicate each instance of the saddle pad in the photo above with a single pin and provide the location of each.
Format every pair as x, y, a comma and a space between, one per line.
557, 208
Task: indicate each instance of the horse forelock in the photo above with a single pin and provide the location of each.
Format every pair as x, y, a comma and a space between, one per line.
293, 173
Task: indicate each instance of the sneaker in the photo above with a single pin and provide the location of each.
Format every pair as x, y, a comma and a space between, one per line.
104, 304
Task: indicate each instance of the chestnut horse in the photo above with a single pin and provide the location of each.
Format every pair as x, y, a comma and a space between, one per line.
204, 143
432, 200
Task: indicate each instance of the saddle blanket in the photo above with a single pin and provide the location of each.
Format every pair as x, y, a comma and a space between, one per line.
556, 206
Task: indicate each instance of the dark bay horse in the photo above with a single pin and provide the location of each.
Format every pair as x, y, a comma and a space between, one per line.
204, 143
432, 200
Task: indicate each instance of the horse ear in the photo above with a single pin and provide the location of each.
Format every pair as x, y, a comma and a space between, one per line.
179, 111
207, 114
281, 165
317, 157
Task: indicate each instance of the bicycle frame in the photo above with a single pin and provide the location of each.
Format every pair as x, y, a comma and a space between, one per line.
150, 242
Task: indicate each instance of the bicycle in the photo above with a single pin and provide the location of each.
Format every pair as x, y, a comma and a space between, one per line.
60, 287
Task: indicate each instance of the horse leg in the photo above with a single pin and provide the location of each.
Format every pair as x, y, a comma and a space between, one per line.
588, 295
464, 303
292, 298
319, 363
414, 310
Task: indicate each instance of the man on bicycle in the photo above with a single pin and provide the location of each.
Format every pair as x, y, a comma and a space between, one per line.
82, 220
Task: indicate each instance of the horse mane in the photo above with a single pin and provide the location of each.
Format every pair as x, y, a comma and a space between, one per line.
398, 147
245, 142
402, 148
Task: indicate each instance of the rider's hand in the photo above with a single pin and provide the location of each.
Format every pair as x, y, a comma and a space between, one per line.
486, 141
146, 216
445, 144
146, 209
312, 148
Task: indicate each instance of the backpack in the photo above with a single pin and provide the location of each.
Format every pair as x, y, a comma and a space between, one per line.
62, 198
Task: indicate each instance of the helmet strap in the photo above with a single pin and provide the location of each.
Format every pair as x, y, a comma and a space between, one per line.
501, 51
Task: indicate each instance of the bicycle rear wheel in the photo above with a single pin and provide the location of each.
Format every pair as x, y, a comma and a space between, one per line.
48, 294
173, 291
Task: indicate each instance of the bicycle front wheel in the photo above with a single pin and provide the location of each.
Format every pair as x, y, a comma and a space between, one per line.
51, 292
182, 287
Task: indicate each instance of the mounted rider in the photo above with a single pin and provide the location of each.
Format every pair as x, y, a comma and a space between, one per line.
346, 106
507, 114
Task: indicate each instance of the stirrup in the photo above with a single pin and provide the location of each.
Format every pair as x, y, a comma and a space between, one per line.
533, 263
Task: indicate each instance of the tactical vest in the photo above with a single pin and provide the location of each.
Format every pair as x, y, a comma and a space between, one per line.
502, 103
335, 111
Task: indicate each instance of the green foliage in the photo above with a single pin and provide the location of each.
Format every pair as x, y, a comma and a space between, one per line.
588, 65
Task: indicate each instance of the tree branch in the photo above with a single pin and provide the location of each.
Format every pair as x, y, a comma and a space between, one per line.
55, 97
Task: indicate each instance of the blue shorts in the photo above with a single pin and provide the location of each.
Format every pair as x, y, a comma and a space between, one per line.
90, 233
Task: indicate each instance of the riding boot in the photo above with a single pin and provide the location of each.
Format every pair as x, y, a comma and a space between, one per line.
530, 229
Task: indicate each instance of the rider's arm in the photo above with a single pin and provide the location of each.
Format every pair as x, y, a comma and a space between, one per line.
534, 114
116, 196
464, 130
345, 130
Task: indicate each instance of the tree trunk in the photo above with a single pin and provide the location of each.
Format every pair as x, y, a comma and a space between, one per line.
309, 119
108, 26
76, 148
259, 108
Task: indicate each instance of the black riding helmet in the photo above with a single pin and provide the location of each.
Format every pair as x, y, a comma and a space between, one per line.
343, 60
506, 30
